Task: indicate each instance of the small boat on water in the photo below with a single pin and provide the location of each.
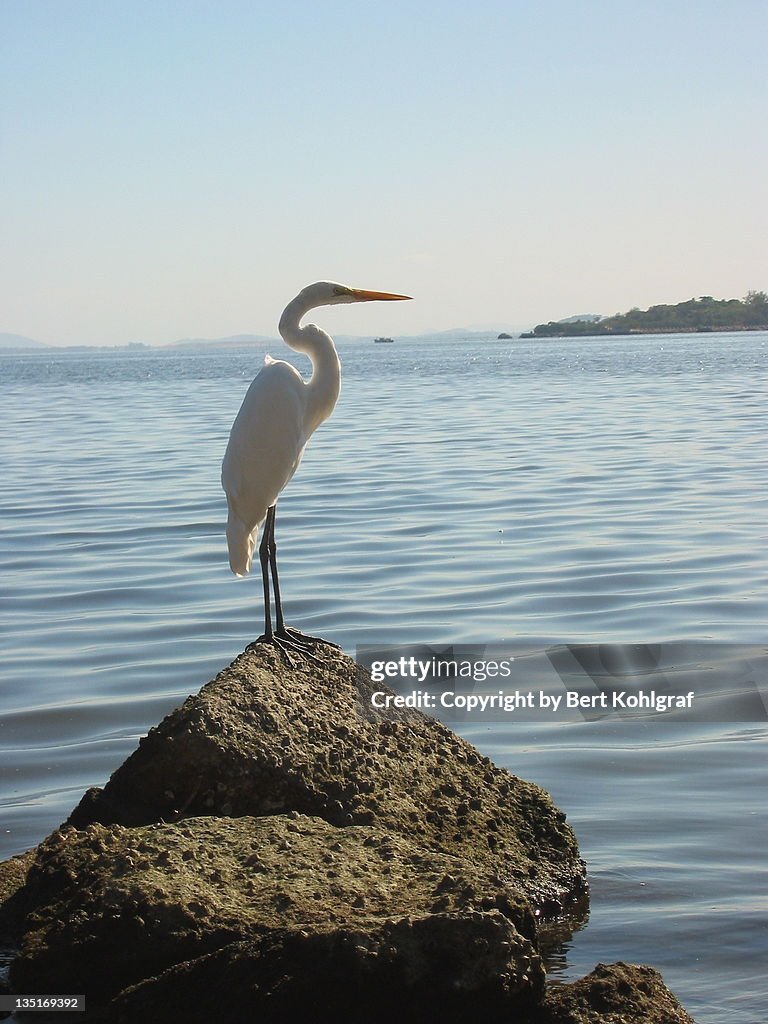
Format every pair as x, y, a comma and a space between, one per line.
383, 341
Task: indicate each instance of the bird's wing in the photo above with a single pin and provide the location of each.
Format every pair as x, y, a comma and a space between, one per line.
266, 442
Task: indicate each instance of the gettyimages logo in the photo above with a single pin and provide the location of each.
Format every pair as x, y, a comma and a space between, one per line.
501, 682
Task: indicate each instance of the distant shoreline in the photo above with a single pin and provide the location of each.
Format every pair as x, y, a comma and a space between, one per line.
637, 332
223, 345
704, 315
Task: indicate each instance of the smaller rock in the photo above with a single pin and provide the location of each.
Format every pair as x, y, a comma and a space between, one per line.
614, 994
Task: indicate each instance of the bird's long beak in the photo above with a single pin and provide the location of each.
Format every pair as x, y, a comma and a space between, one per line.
364, 296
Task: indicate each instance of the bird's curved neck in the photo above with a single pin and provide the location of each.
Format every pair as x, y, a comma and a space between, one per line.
325, 383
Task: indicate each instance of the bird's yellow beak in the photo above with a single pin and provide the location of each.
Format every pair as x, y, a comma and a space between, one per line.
364, 296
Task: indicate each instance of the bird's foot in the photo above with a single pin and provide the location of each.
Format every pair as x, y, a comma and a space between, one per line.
305, 638
285, 643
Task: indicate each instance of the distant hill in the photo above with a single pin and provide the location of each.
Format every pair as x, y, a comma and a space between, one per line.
581, 318
692, 316
19, 341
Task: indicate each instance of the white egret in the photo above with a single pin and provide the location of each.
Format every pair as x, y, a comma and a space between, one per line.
279, 414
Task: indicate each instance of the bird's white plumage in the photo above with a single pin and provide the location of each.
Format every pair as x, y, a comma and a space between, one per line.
265, 447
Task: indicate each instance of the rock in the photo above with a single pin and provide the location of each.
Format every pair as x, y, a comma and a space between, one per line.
109, 906
614, 994
13, 873
459, 967
265, 739
276, 850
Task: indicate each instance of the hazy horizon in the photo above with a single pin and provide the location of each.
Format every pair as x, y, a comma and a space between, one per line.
246, 337
182, 171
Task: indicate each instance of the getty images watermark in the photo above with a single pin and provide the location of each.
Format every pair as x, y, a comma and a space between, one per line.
499, 682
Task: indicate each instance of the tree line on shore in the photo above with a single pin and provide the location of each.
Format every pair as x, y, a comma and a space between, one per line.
702, 314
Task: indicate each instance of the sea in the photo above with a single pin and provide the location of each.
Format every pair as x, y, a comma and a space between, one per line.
560, 493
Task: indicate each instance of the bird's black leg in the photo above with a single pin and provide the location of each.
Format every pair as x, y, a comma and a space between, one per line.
264, 559
292, 637
295, 636
283, 637
270, 529
280, 637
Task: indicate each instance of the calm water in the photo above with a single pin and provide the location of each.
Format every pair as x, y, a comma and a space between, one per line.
563, 491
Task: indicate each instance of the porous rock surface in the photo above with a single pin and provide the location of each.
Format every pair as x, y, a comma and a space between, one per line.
110, 906
13, 873
407, 972
261, 739
442, 967
614, 994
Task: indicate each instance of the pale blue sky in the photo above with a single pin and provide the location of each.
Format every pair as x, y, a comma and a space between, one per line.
182, 169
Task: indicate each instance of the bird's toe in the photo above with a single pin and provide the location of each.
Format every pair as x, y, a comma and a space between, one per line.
307, 638
285, 644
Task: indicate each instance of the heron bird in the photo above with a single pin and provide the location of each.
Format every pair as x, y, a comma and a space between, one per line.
279, 414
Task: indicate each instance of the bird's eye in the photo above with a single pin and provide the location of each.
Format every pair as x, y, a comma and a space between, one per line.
338, 291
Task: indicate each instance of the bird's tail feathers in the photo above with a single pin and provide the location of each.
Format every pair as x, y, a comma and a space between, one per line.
241, 541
